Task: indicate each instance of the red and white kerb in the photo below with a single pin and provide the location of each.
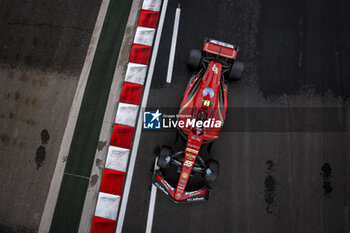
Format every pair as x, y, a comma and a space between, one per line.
123, 129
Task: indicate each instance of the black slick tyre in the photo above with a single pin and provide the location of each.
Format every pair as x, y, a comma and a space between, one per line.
211, 172
236, 70
165, 153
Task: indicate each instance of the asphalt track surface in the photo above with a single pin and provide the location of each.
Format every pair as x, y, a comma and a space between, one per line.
288, 176
277, 180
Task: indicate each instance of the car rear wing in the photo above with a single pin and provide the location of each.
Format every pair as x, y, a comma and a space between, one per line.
220, 48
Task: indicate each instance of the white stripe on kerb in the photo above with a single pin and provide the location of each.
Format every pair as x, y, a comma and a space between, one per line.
152, 5
144, 36
126, 114
117, 158
107, 206
136, 73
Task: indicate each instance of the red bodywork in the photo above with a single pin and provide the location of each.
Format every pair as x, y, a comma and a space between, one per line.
194, 143
205, 88
205, 99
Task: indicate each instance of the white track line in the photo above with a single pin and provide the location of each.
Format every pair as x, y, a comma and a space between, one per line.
152, 203
173, 45
126, 191
153, 196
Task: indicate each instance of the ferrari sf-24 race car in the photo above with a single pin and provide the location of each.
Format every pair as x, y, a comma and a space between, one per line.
204, 102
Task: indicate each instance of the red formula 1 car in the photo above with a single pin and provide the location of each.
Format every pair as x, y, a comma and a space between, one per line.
200, 119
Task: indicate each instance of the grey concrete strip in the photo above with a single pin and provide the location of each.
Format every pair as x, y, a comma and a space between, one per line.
31, 132
68, 134
106, 130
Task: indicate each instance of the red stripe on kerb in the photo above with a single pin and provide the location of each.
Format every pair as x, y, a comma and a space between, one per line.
131, 93
140, 54
102, 225
122, 136
112, 181
148, 18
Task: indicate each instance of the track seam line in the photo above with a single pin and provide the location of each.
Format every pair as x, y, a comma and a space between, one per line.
69, 174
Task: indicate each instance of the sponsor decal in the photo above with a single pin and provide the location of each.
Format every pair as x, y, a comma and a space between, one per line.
194, 146
188, 163
209, 91
195, 199
190, 156
192, 150
221, 43
167, 185
151, 120
193, 193
161, 188
215, 69
184, 175
207, 103
196, 138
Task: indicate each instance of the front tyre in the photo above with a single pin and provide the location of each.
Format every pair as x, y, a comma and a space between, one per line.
164, 156
211, 171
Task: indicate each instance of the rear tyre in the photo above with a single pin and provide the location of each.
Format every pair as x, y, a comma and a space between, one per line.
164, 156
236, 70
211, 172
194, 58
